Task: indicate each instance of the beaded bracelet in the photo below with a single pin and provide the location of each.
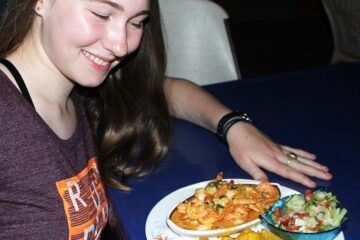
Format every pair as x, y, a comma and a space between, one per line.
228, 120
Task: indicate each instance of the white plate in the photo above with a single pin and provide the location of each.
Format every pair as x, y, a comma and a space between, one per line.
157, 229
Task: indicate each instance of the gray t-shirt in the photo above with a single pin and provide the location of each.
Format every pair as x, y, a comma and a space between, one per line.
49, 188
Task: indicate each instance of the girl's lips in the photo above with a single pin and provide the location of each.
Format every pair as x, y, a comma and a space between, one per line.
100, 64
97, 59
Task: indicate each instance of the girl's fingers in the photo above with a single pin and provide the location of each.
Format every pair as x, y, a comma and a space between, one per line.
256, 153
305, 166
281, 168
313, 164
303, 156
276, 166
299, 152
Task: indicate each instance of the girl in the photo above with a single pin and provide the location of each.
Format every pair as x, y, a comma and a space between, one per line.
77, 70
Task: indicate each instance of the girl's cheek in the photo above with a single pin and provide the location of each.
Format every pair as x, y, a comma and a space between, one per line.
134, 41
86, 31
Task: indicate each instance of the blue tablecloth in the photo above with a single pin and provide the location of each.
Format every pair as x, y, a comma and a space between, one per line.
317, 110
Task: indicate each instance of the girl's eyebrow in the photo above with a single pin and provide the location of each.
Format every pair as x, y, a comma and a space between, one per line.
110, 3
144, 12
119, 7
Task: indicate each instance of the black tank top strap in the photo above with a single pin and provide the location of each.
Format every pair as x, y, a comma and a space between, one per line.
19, 80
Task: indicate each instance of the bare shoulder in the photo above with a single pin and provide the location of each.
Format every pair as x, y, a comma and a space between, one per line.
6, 78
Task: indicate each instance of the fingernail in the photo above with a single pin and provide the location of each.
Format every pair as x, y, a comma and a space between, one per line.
263, 179
325, 168
312, 184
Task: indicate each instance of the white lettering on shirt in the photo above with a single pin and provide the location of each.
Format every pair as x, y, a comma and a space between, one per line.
98, 203
94, 229
75, 197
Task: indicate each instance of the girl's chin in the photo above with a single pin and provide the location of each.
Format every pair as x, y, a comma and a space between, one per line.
91, 82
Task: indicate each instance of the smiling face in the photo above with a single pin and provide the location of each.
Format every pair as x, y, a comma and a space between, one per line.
85, 39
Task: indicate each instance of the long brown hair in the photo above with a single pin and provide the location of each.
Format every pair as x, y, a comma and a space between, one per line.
15, 24
136, 113
128, 112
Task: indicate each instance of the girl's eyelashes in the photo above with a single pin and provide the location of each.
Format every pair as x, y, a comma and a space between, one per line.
138, 25
136, 22
100, 16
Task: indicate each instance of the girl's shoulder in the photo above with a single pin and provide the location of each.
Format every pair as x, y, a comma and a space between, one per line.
4, 79
10, 96
5, 86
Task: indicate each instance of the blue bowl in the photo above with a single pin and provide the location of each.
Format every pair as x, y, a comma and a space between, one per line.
269, 223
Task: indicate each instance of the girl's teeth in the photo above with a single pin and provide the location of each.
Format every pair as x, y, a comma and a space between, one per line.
96, 60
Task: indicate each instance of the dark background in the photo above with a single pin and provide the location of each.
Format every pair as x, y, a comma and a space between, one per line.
273, 36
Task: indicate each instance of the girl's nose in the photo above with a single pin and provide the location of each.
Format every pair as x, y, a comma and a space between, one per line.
116, 41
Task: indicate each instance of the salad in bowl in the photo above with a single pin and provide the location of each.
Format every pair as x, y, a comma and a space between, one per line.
313, 215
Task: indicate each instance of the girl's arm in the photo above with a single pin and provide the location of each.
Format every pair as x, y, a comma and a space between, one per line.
251, 149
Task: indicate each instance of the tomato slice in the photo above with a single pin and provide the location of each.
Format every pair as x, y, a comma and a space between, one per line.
308, 195
277, 212
324, 202
300, 215
292, 228
285, 222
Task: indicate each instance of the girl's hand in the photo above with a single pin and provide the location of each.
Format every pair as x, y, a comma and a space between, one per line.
253, 150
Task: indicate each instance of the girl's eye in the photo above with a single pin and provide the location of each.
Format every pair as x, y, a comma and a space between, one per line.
138, 25
102, 17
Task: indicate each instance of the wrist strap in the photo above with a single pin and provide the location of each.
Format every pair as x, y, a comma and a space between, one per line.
227, 121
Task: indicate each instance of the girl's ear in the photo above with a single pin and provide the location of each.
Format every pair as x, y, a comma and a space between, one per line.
39, 7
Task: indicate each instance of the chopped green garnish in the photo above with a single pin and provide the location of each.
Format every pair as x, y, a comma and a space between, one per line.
219, 206
215, 184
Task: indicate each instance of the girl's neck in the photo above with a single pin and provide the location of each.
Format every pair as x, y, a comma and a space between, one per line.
42, 78
49, 89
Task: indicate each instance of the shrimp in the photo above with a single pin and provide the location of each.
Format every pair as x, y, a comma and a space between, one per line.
266, 187
222, 191
253, 193
195, 209
243, 201
223, 201
200, 194
182, 208
206, 222
238, 216
258, 207
272, 199
222, 204
230, 194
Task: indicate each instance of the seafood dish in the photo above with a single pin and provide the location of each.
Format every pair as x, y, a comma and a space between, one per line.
224, 204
